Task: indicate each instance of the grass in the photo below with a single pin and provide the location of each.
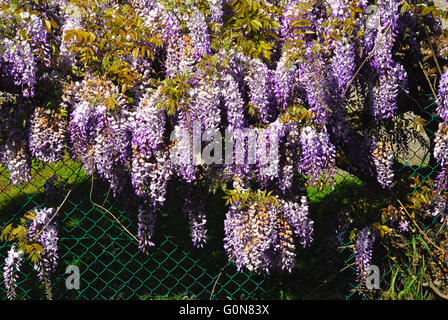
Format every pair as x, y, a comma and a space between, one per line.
67, 170
316, 195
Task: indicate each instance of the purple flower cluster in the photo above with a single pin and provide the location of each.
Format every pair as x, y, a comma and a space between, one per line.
18, 65
69, 22
441, 144
181, 154
290, 157
12, 266
442, 97
43, 230
194, 210
383, 157
160, 173
147, 136
199, 34
343, 63
268, 154
440, 208
403, 226
38, 36
261, 235
47, 136
147, 216
391, 75
318, 154
99, 138
15, 157
258, 78
216, 11
296, 93
285, 81
339, 9
441, 141
313, 79
363, 253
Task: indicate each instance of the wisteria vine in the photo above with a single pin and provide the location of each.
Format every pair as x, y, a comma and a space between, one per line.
141, 107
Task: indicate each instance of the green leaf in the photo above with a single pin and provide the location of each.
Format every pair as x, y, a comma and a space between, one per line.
38, 247
47, 25
5, 232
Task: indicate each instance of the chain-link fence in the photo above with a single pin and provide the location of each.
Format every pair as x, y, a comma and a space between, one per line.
400, 280
99, 240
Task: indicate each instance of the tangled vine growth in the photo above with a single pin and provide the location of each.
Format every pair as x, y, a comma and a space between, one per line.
127, 87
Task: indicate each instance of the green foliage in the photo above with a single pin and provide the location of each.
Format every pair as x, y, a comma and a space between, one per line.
173, 90
111, 35
248, 197
415, 258
251, 27
15, 16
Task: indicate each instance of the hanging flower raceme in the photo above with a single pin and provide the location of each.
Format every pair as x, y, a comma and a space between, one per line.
441, 144
147, 216
69, 22
285, 78
216, 11
314, 80
43, 230
200, 38
260, 235
363, 253
47, 136
318, 154
259, 81
236, 123
442, 97
160, 173
198, 119
18, 65
391, 75
16, 158
38, 35
38, 237
194, 210
100, 138
267, 152
343, 64
440, 207
148, 123
383, 158
11, 268
290, 160
112, 146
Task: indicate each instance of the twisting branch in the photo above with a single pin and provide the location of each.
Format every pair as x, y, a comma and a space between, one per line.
435, 289
219, 276
113, 216
428, 80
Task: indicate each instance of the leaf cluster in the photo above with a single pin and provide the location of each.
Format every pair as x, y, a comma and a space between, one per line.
251, 27
111, 35
19, 235
248, 197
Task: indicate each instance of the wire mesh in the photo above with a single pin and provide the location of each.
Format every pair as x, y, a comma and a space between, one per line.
112, 267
